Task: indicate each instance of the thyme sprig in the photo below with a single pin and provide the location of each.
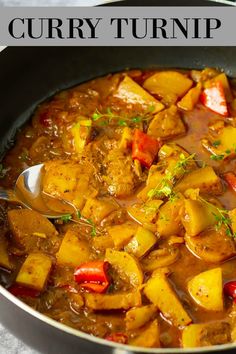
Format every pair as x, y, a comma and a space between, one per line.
165, 186
80, 220
222, 219
120, 120
223, 155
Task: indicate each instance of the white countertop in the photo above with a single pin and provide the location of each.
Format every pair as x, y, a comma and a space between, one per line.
11, 345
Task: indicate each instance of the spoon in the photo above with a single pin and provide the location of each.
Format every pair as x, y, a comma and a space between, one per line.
29, 192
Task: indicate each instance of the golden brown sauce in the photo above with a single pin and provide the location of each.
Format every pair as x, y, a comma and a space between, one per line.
104, 170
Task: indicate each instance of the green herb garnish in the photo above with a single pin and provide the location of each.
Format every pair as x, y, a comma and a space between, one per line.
136, 119
120, 120
222, 219
151, 108
216, 143
93, 231
217, 157
83, 221
122, 123
66, 218
165, 187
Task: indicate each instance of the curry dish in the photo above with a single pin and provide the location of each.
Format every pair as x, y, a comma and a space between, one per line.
148, 257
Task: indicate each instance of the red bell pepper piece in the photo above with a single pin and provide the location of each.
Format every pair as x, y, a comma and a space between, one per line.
230, 289
231, 180
19, 290
118, 338
214, 98
144, 148
93, 276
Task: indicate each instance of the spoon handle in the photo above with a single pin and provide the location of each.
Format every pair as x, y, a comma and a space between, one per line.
9, 195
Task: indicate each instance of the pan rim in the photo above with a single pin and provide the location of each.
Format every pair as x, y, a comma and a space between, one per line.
124, 348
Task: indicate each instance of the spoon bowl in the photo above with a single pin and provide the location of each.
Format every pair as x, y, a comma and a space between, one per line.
29, 192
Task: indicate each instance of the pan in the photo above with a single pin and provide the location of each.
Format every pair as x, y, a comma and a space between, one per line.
29, 75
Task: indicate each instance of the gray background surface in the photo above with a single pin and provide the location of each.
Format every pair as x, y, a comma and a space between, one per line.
50, 2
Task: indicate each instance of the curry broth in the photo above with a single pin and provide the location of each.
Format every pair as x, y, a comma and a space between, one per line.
48, 137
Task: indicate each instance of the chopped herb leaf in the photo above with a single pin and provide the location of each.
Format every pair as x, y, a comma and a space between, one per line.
217, 157
222, 219
93, 231
136, 119
109, 111
216, 143
96, 115
114, 117
66, 218
122, 123
151, 108
165, 187
83, 221
103, 123
227, 151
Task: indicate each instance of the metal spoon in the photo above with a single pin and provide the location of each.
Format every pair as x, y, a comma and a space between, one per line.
28, 192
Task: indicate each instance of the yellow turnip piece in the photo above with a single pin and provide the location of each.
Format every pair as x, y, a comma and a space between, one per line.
117, 301
169, 218
149, 337
73, 251
80, 132
121, 234
141, 243
203, 178
167, 124
162, 257
211, 245
139, 316
206, 334
198, 215
146, 213
97, 209
159, 291
170, 85
34, 271
206, 289
131, 92
191, 98
126, 265
4, 257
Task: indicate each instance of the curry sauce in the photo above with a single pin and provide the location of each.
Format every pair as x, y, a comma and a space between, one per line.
147, 158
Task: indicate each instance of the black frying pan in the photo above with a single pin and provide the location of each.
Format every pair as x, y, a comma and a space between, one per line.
30, 74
